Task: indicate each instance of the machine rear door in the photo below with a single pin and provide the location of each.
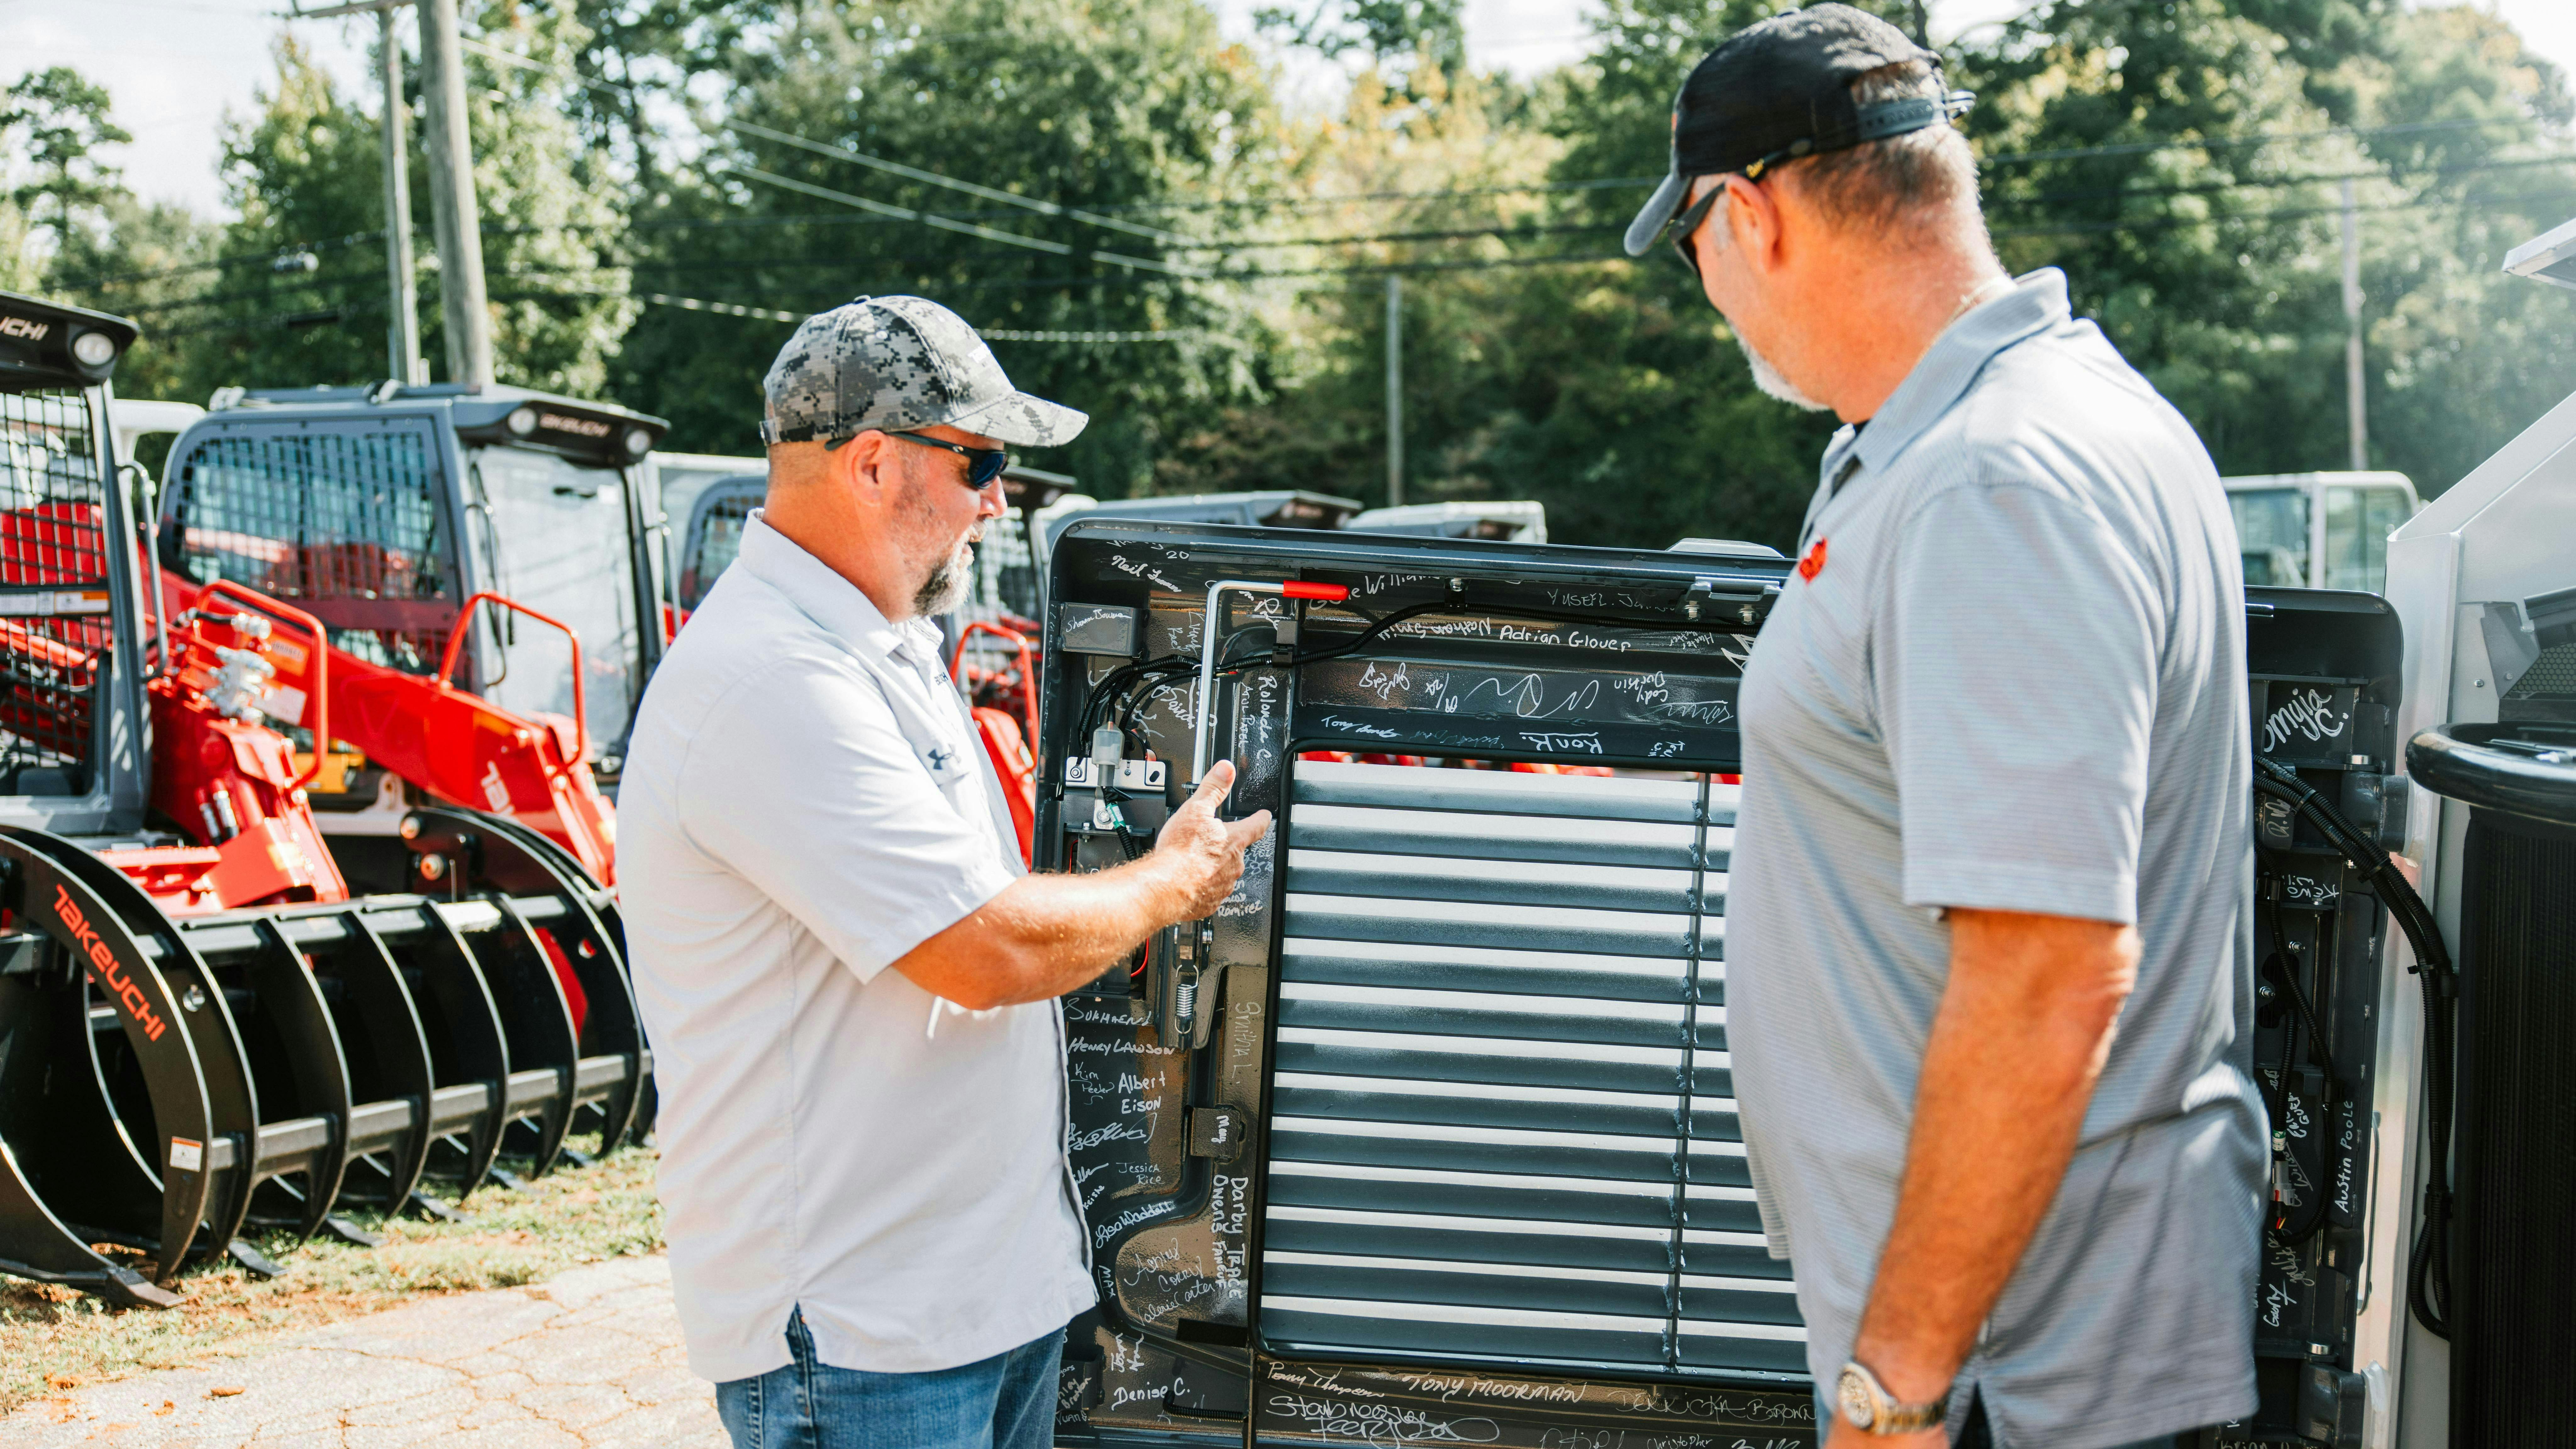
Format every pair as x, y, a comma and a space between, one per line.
1448, 1149
1432, 1135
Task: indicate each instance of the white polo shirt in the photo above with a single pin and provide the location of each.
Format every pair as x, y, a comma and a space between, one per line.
804, 802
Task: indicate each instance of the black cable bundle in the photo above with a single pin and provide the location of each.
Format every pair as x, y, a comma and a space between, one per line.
2428, 1269
1161, 673
2279, 966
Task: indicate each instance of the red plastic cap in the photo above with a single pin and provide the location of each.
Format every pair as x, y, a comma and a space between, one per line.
1329, 593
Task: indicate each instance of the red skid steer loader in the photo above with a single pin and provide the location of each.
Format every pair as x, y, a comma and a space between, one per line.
201, 1028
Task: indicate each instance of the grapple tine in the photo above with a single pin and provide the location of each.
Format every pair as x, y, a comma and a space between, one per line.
565, 917
83, 1101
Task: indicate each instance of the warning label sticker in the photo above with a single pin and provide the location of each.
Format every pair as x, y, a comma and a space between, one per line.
187, 1155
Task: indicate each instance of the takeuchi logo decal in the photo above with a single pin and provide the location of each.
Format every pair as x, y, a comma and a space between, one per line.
578, 427
86, 943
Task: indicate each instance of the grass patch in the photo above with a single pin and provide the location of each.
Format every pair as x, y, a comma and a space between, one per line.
53, 1339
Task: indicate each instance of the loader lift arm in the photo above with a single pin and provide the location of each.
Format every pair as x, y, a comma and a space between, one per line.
458, 746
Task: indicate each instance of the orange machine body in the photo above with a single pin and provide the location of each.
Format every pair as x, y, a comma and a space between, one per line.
458, 746
224, 777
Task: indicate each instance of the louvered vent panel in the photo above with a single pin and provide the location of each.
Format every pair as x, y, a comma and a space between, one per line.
1502, 1122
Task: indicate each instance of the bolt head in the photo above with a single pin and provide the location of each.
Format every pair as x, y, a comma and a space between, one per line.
411, 827
433, 867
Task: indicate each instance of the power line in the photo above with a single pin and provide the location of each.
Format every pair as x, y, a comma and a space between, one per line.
364, 304
2218, 143
948, 224
1175, 334
897, 168
2212, 188
880, 212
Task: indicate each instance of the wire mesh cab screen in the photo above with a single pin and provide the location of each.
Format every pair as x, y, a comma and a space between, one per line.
54, 600
347, 520
716, 523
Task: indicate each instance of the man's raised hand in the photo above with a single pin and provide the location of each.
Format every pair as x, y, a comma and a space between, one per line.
1205, 854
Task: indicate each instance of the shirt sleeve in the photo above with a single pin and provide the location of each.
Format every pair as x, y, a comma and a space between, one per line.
2016, 676
802, 782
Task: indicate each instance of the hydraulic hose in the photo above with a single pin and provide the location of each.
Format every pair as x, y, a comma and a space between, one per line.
2428, 1268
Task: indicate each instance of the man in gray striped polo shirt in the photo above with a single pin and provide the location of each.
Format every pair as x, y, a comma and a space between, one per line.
1988, 955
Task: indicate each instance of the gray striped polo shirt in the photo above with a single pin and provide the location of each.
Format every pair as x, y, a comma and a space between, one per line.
2010, 675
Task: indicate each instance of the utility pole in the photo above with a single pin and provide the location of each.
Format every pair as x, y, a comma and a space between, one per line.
2356, 402
402, 330
457, 219
1394, 389
402, 337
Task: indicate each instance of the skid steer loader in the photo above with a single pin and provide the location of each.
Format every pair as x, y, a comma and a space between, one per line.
201, 1026
506, 540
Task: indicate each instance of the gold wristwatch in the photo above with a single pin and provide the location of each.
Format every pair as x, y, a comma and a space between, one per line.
1867, 1406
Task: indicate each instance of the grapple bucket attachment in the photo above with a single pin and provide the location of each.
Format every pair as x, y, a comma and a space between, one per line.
166, 1082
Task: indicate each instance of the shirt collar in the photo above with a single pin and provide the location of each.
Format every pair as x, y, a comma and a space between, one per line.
830, 600
2037, 301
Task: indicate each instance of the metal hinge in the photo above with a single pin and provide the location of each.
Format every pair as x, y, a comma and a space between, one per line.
1747, 595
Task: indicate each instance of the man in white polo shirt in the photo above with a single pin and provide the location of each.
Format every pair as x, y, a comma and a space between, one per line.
874, 1235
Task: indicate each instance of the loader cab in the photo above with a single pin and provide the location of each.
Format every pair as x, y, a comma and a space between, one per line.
71, 702
1513, 520
146, 429
383, 509
717, 513
2319, 530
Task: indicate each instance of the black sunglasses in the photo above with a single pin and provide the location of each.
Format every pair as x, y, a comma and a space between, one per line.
983, 465
1688, 222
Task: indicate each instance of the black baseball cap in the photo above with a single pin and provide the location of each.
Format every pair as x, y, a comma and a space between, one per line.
1779, 90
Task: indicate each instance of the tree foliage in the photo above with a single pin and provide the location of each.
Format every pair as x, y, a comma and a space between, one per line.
1220, 303
1133, 110
57, 119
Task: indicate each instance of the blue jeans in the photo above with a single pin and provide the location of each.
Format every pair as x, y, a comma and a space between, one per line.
1003, 1402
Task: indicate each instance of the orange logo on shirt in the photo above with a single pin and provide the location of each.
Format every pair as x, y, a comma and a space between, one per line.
1814, 563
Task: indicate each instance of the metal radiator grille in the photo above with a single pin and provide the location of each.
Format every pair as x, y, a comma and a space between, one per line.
1502, 1121
346, 524
53, 591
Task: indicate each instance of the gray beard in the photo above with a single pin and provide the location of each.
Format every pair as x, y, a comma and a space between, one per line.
949, 584
1772, 382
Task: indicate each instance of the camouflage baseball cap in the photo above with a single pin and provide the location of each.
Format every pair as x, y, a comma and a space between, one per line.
900, 362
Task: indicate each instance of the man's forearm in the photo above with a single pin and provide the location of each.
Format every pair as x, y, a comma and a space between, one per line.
2020, 1038
1070, 928
1044, 935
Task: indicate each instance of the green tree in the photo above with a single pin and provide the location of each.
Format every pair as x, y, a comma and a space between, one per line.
1134, 110
293, 292
1396, 35
553, 206
2180, 162
149, 261
2116, 144
57, 119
